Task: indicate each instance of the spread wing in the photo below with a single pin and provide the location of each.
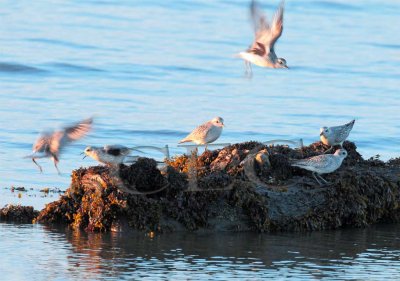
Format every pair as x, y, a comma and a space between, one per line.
265, 34
72, 133
42, 143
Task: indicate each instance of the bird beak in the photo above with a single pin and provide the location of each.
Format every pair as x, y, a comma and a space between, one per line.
286, 66
83, 156
321, 134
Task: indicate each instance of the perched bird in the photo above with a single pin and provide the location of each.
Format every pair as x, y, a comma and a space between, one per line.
322, 164
50, 144
262, 52
335, 135
110, 155
206, 133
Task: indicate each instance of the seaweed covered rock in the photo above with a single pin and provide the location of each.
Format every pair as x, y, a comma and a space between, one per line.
242, 187
17, 213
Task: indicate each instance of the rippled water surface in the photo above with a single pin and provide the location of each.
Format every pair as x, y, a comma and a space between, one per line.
150, 71
60, 254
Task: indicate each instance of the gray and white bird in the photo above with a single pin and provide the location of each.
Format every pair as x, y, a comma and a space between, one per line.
206, 133
50, 144
262, 51
111, 155
335, 135
322, 164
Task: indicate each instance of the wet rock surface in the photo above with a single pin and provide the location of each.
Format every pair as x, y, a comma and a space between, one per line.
17, 213
242, 187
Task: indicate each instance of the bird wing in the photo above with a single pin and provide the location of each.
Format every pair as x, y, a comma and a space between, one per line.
342, 132
42, 143
319, 161
265, 34
200, 131
116, 150
72, 133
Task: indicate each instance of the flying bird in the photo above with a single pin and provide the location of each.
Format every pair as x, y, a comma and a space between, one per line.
262, 51
50, 144
206, 133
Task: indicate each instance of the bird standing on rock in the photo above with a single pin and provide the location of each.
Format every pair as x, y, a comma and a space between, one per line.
262, 52
322, 164
206, 133
111, 155
332, 136
50, 144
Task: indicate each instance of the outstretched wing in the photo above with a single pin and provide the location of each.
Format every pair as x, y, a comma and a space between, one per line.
265, 34
72, 133
42, 143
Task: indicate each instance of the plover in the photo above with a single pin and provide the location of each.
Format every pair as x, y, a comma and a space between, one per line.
335, 135
111, 155
50, 144
206, 133
262, 52
322, 164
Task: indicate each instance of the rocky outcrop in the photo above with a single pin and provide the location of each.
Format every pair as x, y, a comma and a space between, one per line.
242, 187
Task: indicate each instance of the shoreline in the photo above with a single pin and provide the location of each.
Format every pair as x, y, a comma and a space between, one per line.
242, 187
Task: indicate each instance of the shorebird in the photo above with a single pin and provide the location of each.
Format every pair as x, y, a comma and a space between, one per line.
262, 52
111, 155
322, 164
50, 144
206, 133
335, 135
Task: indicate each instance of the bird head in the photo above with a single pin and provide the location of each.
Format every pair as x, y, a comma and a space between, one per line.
281, 63
88, 151
324, 131
218, 121
341, 152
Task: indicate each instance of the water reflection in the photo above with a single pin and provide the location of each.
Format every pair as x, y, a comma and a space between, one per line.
61, 253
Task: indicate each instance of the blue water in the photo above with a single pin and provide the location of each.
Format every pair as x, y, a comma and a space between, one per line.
62, 254
150, 71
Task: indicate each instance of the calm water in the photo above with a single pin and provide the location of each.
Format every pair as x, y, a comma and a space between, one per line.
149, 72
56, 254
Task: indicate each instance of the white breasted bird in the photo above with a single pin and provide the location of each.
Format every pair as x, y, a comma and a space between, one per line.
110, 155
322, 164
50, 144
206, 133
335, 135
262, 50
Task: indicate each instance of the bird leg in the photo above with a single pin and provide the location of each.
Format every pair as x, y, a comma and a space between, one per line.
55, 160
40, 167
205, 148
248, 71
324, 180
328, 150
314, 175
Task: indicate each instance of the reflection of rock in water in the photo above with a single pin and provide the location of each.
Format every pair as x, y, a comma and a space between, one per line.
246, 186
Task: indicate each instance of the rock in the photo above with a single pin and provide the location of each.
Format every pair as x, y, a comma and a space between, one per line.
17, 213
242, 187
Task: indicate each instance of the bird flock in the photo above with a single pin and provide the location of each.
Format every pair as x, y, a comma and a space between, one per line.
261, 53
